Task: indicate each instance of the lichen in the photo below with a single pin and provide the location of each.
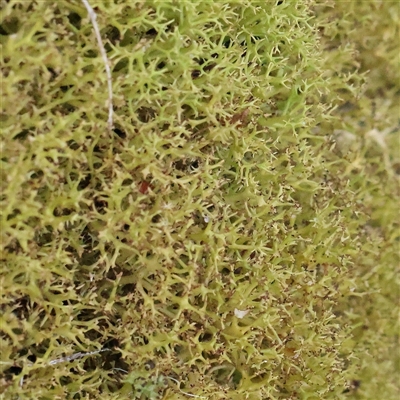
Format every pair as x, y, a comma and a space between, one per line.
236, 232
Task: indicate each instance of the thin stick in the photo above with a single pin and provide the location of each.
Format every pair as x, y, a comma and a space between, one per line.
93, 16
75, 356
72, 357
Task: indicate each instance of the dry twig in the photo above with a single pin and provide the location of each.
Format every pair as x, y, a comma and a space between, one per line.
93, 16
75, 356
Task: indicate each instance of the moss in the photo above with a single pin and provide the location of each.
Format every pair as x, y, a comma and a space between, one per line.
236, 234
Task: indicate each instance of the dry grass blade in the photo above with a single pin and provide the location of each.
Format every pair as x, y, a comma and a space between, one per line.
93, 16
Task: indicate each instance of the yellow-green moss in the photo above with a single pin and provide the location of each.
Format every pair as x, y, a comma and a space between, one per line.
238, 229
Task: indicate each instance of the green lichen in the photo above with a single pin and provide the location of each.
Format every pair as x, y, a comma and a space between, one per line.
237, 231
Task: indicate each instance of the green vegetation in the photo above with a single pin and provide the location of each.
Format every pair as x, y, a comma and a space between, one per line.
235, 236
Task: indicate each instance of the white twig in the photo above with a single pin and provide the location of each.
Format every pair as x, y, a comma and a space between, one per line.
72, 357
75, 356
120, 370
93, 16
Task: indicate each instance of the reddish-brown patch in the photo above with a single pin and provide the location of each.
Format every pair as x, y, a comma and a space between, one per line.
144, 187
240, 117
